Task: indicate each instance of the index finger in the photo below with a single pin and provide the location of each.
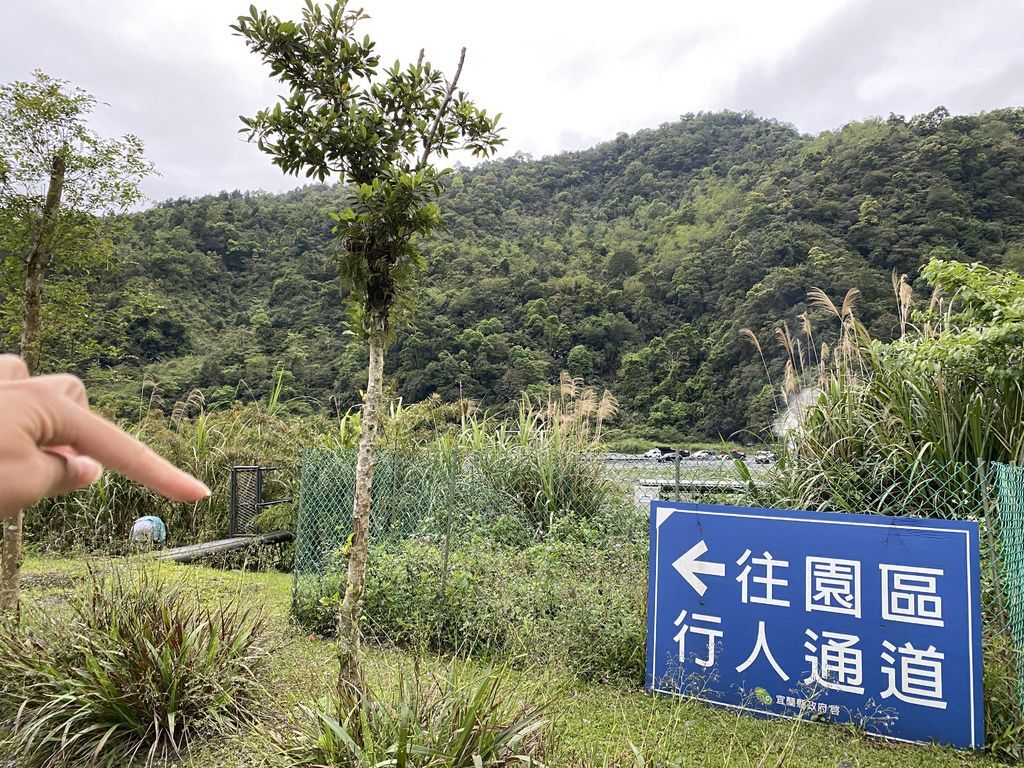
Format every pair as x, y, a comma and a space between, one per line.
12, 368
105, 442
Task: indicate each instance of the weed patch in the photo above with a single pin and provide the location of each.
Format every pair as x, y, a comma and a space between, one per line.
133, 667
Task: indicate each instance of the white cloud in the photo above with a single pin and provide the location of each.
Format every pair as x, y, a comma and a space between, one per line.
564, 74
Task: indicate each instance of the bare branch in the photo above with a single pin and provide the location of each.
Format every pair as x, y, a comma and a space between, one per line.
428, 143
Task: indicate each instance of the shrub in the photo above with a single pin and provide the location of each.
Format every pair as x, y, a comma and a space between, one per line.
137, 670
631, 445
440, 723
1004, 728
575, 601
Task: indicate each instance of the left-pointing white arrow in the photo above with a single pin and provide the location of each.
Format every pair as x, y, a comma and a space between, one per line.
689, 565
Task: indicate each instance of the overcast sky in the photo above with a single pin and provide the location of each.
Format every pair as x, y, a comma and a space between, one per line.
566, 74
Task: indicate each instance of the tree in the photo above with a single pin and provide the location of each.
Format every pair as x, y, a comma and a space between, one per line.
581, 361
380, 131
56, 177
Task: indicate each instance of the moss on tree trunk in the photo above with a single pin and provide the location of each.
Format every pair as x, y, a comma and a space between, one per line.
349, 634
31, 326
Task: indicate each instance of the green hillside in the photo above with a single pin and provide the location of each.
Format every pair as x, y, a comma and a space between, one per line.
633, 264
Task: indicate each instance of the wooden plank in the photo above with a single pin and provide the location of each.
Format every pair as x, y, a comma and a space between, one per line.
192, 552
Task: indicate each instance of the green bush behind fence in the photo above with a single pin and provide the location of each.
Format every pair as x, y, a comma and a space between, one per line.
438, 509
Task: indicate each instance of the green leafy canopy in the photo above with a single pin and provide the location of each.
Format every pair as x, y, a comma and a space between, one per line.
46, 118
378, 129
974, 325
43, 126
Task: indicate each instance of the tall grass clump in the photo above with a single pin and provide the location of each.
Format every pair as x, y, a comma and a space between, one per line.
542, 464
445, 467
205, 442
133, 668
426, 722
899, 427
912, 426
948, 389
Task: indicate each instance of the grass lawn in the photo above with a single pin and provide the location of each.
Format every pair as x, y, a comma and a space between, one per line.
591, 725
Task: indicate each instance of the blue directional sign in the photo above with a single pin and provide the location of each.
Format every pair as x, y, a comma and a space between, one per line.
836, 617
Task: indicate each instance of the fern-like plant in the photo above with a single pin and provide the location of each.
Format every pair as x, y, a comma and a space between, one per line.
436, 722
136, 672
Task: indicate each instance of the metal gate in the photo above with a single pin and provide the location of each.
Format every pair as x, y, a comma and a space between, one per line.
247, 500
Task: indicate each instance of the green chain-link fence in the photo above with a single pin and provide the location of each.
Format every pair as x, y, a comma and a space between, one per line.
404, 498
522, 494
1009, 483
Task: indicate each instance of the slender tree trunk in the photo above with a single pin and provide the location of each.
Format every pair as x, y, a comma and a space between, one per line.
10, 566
349, 635
38, 261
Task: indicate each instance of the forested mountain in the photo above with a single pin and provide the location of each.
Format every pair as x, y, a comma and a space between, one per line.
633, 264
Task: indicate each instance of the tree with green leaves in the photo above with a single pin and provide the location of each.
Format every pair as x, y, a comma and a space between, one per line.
58, 179
381, 131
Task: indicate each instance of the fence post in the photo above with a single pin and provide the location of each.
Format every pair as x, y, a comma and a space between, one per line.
677, 474
233, 505
991, 520
448, 520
